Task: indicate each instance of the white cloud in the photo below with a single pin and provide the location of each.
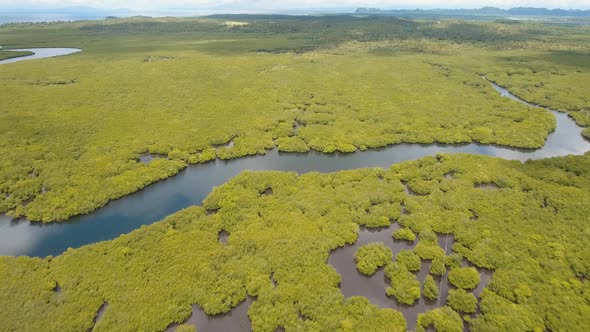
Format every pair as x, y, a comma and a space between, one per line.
285, 4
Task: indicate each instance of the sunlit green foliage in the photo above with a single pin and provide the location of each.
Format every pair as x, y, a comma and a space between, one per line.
453, 260
430, 288
442, 319
551, 78
372, 256
405, 288
381, 215
462, 301
186, 87
362, 315
186, 328
292, 144
464, 277
409, 259
429, 250
404, 234
437, 267
535, 244
502, 314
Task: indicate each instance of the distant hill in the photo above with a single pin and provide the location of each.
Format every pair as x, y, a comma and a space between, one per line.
484, 11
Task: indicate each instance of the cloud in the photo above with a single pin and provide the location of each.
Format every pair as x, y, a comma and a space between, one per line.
286, 4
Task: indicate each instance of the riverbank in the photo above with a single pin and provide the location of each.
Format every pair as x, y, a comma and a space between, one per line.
24, 54
97, 112
278, 244
7, 54
194, 183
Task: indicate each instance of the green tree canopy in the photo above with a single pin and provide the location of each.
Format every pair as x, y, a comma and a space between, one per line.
464, 277
372, 256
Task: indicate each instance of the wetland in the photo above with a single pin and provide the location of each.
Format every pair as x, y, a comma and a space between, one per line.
191, 185
331, 173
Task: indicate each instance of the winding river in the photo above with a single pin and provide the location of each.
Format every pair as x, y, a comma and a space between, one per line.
192, 185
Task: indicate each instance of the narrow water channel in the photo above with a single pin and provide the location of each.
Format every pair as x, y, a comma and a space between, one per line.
235, 320
39, 53
355, 283
194, 183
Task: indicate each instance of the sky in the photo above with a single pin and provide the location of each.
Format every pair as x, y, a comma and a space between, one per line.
291, 4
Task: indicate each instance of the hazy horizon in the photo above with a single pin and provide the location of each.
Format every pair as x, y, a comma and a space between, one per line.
267, 5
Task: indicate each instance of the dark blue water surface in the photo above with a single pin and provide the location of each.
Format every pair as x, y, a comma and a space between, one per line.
193, 184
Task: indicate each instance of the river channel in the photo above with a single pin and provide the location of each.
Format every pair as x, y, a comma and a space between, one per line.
39, 53
195, 182
192, 185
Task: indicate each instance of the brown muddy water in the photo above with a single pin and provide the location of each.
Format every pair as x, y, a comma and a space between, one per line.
353, 283
373, 287
99, 315
235, 320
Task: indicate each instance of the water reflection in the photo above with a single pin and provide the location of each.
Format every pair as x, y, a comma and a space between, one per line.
40, 53
355, 283
192, 185
235, 320
374, 287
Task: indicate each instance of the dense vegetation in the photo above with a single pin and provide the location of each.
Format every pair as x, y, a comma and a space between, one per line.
409, 259
555, 86
462, 301
443, 319
404, 234
71, 132
431, 291
185, 328
532, 232
405, 288
464, 277
372, 256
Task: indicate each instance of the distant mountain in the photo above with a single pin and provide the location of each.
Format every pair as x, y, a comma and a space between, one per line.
45, 13
484, 11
